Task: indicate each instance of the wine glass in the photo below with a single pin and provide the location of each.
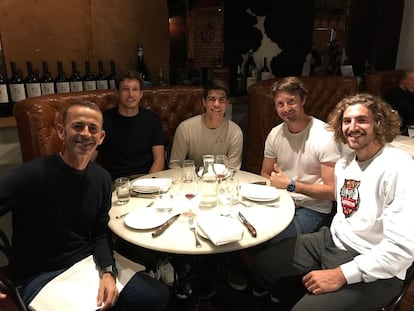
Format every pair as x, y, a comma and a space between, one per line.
189, 189
221, 167
189, 184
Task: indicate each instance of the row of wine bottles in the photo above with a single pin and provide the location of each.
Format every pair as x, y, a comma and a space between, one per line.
18, 88
251, 74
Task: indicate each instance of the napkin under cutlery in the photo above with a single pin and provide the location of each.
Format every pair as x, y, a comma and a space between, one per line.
221, 230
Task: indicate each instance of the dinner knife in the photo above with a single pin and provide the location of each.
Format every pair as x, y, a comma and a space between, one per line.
248, 225
164, 226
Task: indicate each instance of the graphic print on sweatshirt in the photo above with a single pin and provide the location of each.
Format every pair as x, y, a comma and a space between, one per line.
350, 197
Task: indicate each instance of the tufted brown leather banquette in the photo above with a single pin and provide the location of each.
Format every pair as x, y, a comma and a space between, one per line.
37, 117
380, 83
324, 93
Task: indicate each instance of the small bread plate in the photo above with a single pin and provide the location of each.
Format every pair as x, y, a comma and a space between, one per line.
259, 193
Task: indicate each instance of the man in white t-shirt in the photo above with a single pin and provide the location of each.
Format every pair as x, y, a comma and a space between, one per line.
299, 156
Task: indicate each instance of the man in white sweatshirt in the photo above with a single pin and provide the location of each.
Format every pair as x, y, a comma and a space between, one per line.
360, 262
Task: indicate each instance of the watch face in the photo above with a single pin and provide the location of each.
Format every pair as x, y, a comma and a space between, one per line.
291, 186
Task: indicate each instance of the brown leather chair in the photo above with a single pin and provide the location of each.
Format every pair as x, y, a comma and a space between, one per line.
404, 301
14, 301
380, 83
324, 93
37, 117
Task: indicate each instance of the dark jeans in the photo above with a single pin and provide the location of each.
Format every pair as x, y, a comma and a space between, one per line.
305, 220
141, 292
299, 255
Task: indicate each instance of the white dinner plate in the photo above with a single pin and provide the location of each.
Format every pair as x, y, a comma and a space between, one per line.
146, 218
259, 193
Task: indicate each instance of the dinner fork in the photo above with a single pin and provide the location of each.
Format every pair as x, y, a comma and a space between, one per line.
193, 228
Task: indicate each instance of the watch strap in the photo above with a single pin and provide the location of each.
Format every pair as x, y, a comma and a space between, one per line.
109, 269
292, 186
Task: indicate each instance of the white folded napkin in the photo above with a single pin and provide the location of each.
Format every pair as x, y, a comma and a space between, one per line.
221, 230
77, 287
152, 184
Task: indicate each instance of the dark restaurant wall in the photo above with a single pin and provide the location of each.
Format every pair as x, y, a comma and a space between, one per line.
288, 23
80, 30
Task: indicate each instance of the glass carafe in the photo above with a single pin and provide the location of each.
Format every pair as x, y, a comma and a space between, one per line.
208, 184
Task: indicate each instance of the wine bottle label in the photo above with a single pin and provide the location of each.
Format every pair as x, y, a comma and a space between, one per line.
265, 75
17, 92
4, 97
89, 85
102, 84
33, 89
112, 84
47, 88
62, 87
76, 86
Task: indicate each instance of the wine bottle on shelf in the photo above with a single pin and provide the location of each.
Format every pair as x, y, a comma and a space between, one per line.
31, 82
5, 106
112, 76
16, 84
75, 80
89, 82
61, 80
265, 71
101, 77
47, 84
250, 70
160, 77
141, 67
239, 81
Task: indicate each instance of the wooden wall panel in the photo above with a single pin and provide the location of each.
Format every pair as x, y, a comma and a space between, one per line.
82, 30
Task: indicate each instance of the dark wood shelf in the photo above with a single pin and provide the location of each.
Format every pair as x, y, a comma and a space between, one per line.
7, 122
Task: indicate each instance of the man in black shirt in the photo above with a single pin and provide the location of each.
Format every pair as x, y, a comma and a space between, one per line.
401, 98
59, 206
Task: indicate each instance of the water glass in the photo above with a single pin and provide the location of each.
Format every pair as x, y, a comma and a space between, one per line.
224, 197
122, 188
411, 130
164, 203
188, 169
234, 189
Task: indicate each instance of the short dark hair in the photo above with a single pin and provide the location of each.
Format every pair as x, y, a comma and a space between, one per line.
129, 74
291, 85
85, 103
216, 85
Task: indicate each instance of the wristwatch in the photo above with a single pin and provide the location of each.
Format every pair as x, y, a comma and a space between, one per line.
292, 186
109, 269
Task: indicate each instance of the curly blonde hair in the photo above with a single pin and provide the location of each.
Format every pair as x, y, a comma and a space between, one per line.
387, 120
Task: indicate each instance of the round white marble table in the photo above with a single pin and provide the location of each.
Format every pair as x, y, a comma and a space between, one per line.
179, 239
